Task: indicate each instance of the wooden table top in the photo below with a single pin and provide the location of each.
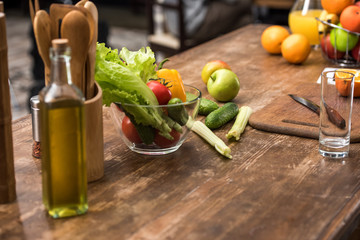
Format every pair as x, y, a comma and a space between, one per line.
275, 187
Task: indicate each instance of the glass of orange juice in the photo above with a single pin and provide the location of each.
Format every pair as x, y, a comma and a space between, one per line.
302, 19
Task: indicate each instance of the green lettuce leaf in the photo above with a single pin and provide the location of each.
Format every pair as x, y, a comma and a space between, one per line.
140, 62
122, 78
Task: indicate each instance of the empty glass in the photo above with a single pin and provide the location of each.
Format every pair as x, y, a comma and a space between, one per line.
337, 89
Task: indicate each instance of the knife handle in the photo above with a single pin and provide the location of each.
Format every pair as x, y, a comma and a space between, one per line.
335, 117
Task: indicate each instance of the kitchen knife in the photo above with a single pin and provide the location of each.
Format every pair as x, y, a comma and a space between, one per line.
307, 103
333, 115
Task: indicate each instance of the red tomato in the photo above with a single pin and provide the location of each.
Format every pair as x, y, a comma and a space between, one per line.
162, 93
130, 131
164, 142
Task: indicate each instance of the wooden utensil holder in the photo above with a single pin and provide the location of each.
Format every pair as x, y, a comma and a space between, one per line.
94, 136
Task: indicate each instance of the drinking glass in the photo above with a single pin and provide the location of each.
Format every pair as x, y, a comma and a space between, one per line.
337, 89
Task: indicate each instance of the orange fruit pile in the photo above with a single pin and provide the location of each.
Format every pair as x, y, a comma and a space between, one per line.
336, 6
295, 48
272, 37
343, 86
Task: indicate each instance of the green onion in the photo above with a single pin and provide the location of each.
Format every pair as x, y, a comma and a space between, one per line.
240, 123
203, 131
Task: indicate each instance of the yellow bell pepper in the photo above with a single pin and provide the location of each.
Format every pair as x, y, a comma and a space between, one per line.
172, 80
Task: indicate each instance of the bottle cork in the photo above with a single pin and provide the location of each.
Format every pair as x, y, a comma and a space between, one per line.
60, 43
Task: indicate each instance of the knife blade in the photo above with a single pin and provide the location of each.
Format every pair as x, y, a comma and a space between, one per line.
333, 115
307, 103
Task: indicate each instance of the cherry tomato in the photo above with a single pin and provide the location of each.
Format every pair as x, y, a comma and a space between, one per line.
164, 142
162, 93
130, 131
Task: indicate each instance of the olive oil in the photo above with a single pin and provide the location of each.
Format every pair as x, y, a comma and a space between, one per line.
62, 135
64, 169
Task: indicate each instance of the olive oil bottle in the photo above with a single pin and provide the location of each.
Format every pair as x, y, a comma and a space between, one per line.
62, 136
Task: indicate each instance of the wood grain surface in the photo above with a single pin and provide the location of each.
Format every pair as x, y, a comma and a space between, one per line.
7, 173
284, 115
276, 186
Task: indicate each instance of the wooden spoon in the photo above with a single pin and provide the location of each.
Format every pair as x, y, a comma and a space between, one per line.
58, 12
42, 31
75, 28
90, 61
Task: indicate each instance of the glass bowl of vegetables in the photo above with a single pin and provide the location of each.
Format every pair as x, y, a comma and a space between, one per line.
156, 129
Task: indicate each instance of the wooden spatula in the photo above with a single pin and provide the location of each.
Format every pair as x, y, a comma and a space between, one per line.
90, 61
75, 28
42, 31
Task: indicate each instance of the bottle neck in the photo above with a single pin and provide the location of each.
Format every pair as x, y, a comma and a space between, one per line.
60, 67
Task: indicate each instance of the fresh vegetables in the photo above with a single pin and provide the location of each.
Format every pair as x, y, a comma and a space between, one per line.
130, 131
166, 143
221, 115
203, 131
177, 111
162, 93
207, 106
240, 123
131, 78
122, 78
172, 79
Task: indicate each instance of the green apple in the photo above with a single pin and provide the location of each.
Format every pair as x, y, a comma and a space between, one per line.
223, 85
211, 67
342, 40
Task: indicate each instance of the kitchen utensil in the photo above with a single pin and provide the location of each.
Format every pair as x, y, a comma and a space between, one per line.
37, 6
334, 116
7, 174
81, 3
42, 31
76, 29
58, 11
307, 103
94, 136
90, 61
32, 11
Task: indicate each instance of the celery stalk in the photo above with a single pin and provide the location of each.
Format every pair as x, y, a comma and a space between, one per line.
240, 123
203, 131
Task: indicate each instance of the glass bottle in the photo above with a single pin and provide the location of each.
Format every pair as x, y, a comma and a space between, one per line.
62, 135
302, 19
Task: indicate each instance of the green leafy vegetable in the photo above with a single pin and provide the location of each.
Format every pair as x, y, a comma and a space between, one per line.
122, 78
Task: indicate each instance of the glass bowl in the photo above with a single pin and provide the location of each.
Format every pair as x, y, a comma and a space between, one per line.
346, 58
152, 142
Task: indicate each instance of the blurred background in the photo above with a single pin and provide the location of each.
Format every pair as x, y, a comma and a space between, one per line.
123, 23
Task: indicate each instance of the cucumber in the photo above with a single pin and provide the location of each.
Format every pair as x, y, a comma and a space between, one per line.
177, 112
221, 115
206, 105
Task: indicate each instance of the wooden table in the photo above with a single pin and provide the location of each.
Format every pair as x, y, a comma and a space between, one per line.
275, 187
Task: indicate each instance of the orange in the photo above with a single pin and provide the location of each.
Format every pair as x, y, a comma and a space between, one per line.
343, 86
336, 6
296, 48
272, 37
